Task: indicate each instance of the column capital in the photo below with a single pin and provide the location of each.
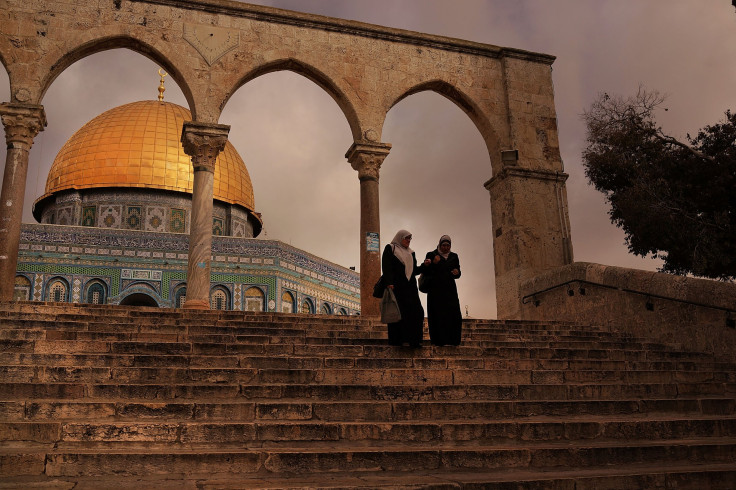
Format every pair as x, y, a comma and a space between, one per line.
366, 157
203, 142
22, 122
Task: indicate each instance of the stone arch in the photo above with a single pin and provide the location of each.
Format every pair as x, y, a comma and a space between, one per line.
118, 42
254, 299
288, 302
468, 106
313, 74
23, 288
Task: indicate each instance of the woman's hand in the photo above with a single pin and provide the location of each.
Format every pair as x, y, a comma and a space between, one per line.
426, 262
455, 272
436, 259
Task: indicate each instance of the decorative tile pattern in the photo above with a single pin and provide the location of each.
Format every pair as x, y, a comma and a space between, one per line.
110, 217
218, 227
133, 218
64, 216
237, 297
89, 216
155, 219
178, 222
76, 290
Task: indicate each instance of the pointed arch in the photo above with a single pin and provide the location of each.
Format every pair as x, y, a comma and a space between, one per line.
468, 106
313, 74
118, 42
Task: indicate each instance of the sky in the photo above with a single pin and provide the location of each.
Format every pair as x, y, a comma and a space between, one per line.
293, 137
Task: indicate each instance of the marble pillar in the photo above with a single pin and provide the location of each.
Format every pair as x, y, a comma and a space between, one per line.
203, 142
366, 158
22, 123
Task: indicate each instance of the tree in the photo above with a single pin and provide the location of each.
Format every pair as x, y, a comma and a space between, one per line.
674, 200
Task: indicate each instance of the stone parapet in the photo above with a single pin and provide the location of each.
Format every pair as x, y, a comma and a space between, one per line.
694, 313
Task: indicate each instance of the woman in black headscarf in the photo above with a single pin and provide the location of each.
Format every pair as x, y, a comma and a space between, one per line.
399, 266
443, 306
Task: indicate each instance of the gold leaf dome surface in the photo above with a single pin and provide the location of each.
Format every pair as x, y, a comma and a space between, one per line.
138, 145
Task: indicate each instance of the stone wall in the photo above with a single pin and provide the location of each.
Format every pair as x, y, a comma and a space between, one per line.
697, 314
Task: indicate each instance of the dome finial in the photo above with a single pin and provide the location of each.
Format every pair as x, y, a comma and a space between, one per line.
161, 87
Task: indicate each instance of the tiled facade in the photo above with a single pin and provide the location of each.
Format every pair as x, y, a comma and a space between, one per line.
85, 264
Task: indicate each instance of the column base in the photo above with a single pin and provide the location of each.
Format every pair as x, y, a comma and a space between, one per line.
196, 304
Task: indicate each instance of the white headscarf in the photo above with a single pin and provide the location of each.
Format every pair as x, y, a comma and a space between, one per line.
403, 253
444, 238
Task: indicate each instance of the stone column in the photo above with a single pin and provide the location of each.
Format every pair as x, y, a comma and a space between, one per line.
531, 228
203, 142
22, 123
366, 158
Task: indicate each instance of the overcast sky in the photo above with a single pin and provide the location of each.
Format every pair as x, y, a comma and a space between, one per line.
293, 137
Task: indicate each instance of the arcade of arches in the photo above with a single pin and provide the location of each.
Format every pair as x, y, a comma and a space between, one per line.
213, 47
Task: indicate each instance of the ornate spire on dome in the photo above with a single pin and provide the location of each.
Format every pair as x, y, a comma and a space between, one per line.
161, 88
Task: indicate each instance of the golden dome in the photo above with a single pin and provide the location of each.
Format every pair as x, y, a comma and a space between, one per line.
138, 145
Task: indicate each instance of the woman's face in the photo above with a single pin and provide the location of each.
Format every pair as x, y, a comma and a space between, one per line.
406, 241
445, 247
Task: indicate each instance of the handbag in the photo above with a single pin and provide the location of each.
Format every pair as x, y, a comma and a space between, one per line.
379, 288
390, 312
425, 280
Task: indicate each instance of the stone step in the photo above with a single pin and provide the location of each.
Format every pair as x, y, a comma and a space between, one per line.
632, 476
306, 461
397, 376
173, 434
313, 362
326, 392
368, 348
347, 411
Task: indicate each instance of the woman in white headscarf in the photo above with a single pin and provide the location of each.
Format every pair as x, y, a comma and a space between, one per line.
399, 266
443, 305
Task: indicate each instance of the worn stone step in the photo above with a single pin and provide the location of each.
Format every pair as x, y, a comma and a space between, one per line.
398, 376
66, 435
327, 392
633, 476
303, 461
347, 411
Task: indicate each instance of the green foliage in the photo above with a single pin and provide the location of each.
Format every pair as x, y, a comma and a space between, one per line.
673, 200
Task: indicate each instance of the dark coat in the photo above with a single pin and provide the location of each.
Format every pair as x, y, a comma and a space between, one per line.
443, 305
410, 328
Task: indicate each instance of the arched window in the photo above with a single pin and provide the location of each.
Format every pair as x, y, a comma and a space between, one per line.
287, 302
342, 311
180, 296
96, 293
22, 290
254, 299
219, 299
326, 310
307, 306
57, 291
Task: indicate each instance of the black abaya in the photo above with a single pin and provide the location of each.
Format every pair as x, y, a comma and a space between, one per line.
443, 305
410, 328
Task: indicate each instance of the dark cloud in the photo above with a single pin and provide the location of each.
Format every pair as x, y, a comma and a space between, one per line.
293, 136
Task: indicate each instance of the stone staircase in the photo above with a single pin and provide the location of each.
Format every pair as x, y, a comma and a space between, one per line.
117, 397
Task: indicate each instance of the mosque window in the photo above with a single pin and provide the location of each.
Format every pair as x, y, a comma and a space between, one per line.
180, 296
254, 299
342, 311
287, 302
326, 310
96, 293
219, 299
22, 290
218, 227
57, 291
307, 306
